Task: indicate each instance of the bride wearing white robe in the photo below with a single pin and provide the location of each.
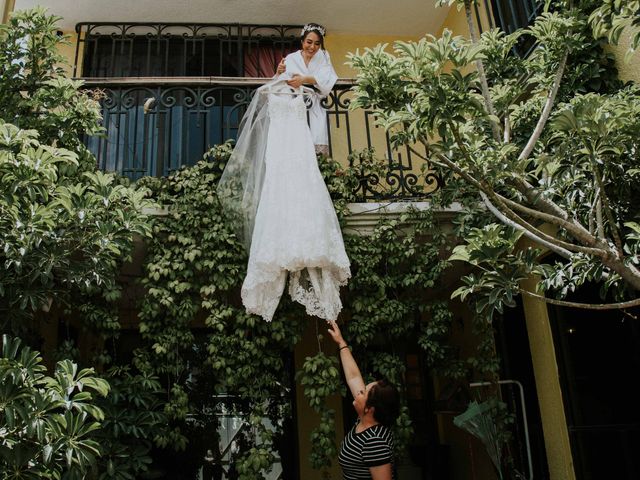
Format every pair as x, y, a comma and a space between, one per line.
311, 65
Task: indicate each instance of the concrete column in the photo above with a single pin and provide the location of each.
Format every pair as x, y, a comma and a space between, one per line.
6, 7
545, 368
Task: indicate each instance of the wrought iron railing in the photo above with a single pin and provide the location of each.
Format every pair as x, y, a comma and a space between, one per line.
509, 16
177, 50
155, 126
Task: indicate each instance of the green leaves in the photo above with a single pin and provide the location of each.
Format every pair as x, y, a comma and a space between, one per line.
501, 267
58, 235
614, 17
421, 88
46, 423
320, 377
64, 227
34, 92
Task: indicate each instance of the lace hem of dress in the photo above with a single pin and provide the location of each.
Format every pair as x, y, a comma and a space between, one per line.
316, 288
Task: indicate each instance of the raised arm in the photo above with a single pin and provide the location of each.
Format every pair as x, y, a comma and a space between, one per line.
349, 365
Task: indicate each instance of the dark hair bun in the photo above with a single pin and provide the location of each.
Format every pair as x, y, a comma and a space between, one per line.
384, 398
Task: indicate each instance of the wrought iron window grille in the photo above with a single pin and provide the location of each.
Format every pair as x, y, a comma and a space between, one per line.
181, 49
172, 91
153, 129
509, 16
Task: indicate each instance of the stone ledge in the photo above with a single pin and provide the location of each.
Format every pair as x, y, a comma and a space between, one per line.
363, 217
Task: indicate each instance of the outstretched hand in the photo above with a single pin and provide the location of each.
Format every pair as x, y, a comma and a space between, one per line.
335, 332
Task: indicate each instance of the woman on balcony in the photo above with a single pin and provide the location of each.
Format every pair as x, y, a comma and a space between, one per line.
366, 452
311, 65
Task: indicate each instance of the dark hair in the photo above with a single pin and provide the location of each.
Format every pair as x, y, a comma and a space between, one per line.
315, 28
384, 398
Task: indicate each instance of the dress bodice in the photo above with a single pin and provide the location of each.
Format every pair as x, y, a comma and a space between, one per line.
287, 107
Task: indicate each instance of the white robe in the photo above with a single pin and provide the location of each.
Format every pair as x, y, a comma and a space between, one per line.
321, 69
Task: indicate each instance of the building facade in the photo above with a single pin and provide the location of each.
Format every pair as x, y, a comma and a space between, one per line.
176, 79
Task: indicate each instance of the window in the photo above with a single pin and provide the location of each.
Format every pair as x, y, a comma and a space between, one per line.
510, 15
153, 50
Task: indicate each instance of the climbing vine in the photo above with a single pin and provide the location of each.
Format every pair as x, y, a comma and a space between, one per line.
197, 348
193, 269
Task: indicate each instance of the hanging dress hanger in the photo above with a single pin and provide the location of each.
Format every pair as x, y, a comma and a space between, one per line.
288, 90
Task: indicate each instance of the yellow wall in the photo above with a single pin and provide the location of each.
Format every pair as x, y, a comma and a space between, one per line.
339, 45
69, 51
307, 419
456, 22
629, 70
6, 7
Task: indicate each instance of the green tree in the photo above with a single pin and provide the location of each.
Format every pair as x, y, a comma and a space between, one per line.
46, 423
65, 227
65, 231
557, 165
541, 148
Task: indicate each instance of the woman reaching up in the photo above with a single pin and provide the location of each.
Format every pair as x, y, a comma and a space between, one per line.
366, 452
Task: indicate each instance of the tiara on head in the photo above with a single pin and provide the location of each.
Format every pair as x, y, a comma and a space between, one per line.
310, 27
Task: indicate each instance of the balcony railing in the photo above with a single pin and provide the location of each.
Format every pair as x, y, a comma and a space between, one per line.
172, 91
157, 125
509, 15
107, 49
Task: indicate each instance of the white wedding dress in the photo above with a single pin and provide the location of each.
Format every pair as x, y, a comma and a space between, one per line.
296, 234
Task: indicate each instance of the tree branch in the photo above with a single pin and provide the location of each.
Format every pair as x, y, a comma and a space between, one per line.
558, 246
577, 230
592, 221
507, 129
563, 252
569, 246
609, 258
588, 306
484, 85
599, 223
537, 198
546, 111
607, 208
449, 164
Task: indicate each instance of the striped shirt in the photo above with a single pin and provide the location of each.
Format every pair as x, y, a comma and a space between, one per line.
370, 448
